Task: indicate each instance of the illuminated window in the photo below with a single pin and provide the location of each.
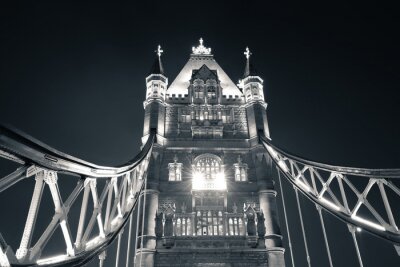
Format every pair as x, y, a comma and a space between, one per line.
209, 222
240, 170
235, 226
226, 115
185, 115
175, 170
211, 92
183, 226
208, 173
198, 90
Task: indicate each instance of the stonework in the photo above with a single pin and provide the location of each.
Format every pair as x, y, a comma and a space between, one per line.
210, 198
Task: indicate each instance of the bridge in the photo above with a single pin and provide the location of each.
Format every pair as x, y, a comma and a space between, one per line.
102, 207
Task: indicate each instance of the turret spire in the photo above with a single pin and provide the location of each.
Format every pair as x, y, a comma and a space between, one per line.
157, 67
249, 69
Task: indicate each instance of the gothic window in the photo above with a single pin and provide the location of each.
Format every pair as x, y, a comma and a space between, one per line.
209, 222
240, 170
175, 170
211, 92
183, 226
254, 90
208, 173
198, 93
226, 116
198, 89
185, 115
235, 226
209, 165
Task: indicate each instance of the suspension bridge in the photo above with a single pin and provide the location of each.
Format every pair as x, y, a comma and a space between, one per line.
206, 151
115, 193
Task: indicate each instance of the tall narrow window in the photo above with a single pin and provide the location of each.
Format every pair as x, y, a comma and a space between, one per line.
240, 170
175, 170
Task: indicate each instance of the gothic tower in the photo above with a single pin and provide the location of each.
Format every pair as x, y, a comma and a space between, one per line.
210, 198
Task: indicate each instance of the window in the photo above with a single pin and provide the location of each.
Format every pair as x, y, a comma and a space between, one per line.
235, 226
198, 89
208, 173
183, 226
211, 92
209, 222
175, 170
240, 170
198, 93
226, 115
185, 115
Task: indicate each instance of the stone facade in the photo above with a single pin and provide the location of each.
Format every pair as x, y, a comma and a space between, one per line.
210, 198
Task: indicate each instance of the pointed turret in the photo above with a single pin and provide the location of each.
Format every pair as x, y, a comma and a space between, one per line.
156, 88
252, 87
249, 69
156, 81
251, 84
157, 67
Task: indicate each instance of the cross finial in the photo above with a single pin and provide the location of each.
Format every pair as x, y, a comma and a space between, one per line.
201, 49
159, 51
247, 53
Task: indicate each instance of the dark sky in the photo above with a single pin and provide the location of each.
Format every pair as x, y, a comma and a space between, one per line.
72, 74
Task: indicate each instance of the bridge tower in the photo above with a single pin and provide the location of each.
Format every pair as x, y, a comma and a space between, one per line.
210, 198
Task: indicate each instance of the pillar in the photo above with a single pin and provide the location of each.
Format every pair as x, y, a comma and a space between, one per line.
145, 253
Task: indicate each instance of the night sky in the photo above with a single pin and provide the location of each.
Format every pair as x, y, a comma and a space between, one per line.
73, 76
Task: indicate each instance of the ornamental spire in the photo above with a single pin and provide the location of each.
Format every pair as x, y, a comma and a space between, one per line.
201, 49
157, 67
159, 51
249, 69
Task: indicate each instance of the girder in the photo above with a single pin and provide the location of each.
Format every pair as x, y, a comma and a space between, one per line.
112, 206
345, 192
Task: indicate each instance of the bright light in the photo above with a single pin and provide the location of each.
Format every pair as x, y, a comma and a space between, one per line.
199, 182
198, 176
52, 260
220, 176
367, 222
329, 203
359, 229
220, 182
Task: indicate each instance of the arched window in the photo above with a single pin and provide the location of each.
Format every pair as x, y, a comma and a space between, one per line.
208, 173
175, 170
198, 89
240, 170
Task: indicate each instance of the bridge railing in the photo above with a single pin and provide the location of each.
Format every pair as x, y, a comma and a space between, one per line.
109, 193
364, 199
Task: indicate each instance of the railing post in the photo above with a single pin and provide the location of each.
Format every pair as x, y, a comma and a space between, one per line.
22, 251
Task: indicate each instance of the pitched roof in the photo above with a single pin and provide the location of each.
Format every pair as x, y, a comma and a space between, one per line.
181, 83
204, 73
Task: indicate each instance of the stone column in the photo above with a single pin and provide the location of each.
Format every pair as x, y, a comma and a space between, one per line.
273, 237
146, 250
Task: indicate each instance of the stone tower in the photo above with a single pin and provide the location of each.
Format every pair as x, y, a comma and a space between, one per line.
210, 199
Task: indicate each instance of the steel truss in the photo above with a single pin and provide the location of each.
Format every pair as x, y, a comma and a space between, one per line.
113, 201
364, 199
